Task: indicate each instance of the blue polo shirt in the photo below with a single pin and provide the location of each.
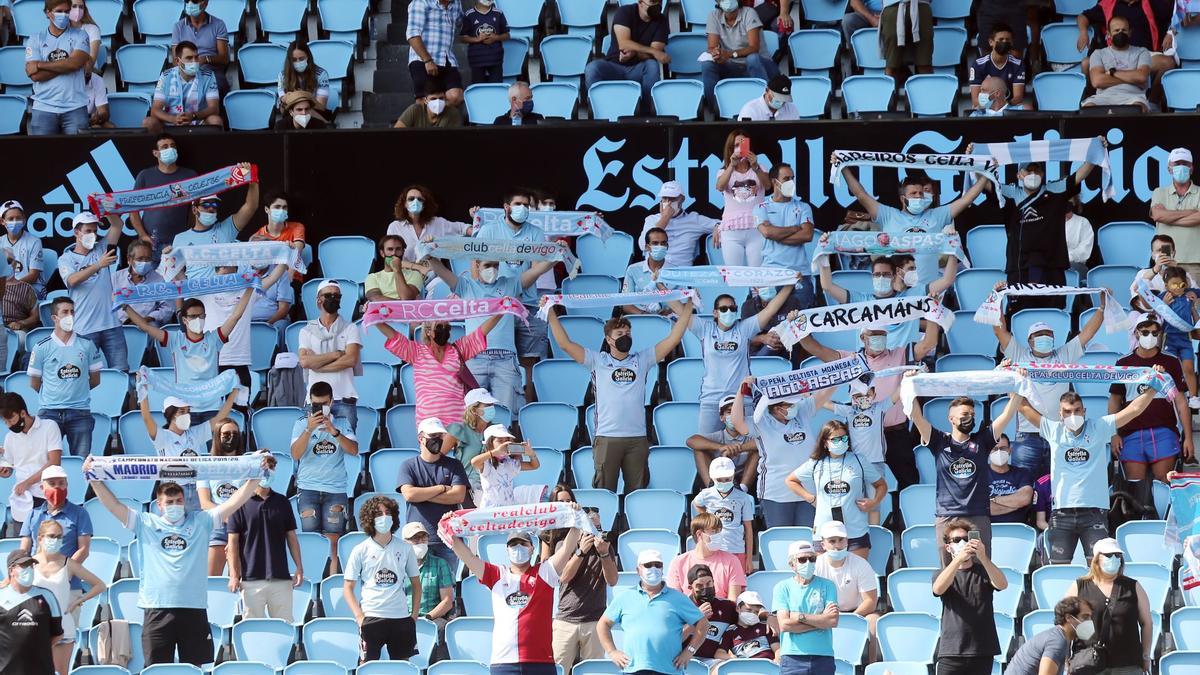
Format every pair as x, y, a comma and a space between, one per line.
173, 558
652, 626
93, 295
65, 369
75, 523
322, 466
65, 92
532, 233
468, 288
205, 37
222, 232
264, 305
792, 213
810, 598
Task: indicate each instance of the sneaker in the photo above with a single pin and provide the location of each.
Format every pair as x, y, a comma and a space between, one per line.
1194, 402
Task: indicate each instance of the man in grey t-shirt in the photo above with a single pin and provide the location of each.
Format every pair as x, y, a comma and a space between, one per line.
1051, 648
1120, 72
735, 47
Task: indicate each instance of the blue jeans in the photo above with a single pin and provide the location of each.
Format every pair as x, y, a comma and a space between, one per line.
711, 72
112, 343
500, 374
788, 514
644, 72
794, 664
323, 511
1071, 526
75, 425
445, 553
42, 123
1031, 452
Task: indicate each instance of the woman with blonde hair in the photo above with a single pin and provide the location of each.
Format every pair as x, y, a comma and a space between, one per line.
744, 184
465, 438
1121, 610
54, 572
82, 19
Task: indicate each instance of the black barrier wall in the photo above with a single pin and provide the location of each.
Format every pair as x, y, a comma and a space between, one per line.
346, 182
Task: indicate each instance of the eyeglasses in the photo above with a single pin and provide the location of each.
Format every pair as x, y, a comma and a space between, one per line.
193, 316
727, 308
884, 275
805, 559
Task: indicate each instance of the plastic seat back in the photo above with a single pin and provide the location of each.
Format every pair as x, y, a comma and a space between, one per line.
734, 92
868, 93
810, 95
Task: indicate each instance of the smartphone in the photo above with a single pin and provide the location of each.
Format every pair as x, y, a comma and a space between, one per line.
835, 513
744, 147
973, 535
315, 408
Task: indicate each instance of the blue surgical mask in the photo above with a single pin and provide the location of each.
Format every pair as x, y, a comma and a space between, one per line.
723, 486
190, 68
653, 576
729, 426
792, 411
519, 213
383, 523
837, 554
881, 285
191, 8
839, 446
267, 479
15, 227
206, 218
658, 253
805, 570
917, 205
727, 317
415, 206
173, 513
527, 108
279, 215
774, 103
168, 156
1181, 173
52, 544
25, 576
1110, 564
142, 267
488, 413
1043, 344
985, 100
301, 65
61, 20
766, 293
877, 343
519, 555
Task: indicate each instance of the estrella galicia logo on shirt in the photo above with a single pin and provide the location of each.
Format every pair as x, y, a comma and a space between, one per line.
624, 376
517, 599
837, 487
189, 453
714, 631
726, 346
225, 491
173, 543
385, 578
1077, 456
724, 514
1142, 388
68, 371
57, 55
324, 447
795, 437
861, 422
962, 468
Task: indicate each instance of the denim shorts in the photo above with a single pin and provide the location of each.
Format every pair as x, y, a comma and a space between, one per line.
219, 536
1179, 346
326, 511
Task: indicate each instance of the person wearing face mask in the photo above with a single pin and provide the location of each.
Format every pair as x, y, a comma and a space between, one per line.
857, 585
1175, 209
726, 442
1030, 451
1081, 239
159, 226
302, 74
966, 585
523, 604
32, 447
19, 308
744, 183
87, 269
211, 38
57, 572
484, 30
807, 611
262, 539
722, 614
180, 438
382, 563
331, 351
390, 280
584, 585
464, 440
25, 247
620, 444
55, 59
172, 543
993, 97
209, 228
652, 617
520, 107
1079, 462
840, 485
734, 507
281, 224
774, 104
417, 219
735, 45
503, 459
82, 19
32, 619
140, 270
437, 581
432, 28
226, 442
432, 111
1123, 615
186, 95
642, 276
433, 484
1162, 256
754, 636
320, 442
1149, 444
637, 45
684, 228
63, 369
727, 572
73, 521
1120, 72
863, 416
1010, 487
891, 279
1047, 652
999, 62
786, 223
961, 462
1182, 300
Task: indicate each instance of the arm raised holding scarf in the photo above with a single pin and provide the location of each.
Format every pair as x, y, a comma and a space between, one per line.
1136, 407
872, 205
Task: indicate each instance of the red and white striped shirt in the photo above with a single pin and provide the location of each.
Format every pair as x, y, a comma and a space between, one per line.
523, 607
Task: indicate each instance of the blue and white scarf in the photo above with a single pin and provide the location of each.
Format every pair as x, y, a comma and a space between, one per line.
977, 384
1089, 150
1161, 308
131, 467
727, 275
1183, 530
989, 310
882, 243
787, 386
185, 288
598, 300
503, 250
860, 315
206, 395
976, 164
553, 223
242, 254
1058, 372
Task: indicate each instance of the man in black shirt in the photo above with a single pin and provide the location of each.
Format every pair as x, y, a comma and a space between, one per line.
583, 597
637, 45
1010, 488
968, 642
261, 534
30, 621
158, 227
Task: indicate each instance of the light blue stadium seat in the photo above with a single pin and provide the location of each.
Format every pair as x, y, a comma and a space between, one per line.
172, 669
810, 95
1182, 88
522, 16
1059, 92
733, 92
920, 547
931, 95
1125, 243
1116, 277
249, 109
105, 525
675, 421
868, 93
632, 542
1143, 542
458, 667
123, 600
695, 15
330, 590
555, 99
136, 662
985, 246
314, 554
609, 257
910, 590
401, 426
1007, 602
485, 102
237, 668
679, 98
684, 48
332, 639
613, 100
346, 257
917, 503
263, 339
974, 285
603, 500
672, 468
12, 114
951, 363
948, 45
314, 667
814, 51
950, 12
1058, 43
1187, 46
655, 509
1037, 621
108, 670
384, 466
12, 69
773, 544
908, 636
1050, 583
865, 43
351, 295
581, 17
764, 582
470, 638
388, 668
583, 470
108, 396
849, 638
140, 65
268, 641
1072, 7
1058, 319
967, 336
156, 18
560, 381
585, 331
1185, 628
565, 56
550, 425
1013, 545
281, 20
477, 598
261, 63
516, 51
883, 544
824, 11
272, 427
1179, 663
344, 19
750, 666
647, 330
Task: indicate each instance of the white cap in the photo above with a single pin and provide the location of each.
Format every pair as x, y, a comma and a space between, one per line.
798, 547
286, 360
430, 426
479, 395
833, 528
649, 555
11, 204
1039, 327
53, 471
721, 467
413, 529
670, 190
84, 218
1180, 155
859, 387
1107, 546
173, 402
496, 431
326, 284
728, 400
1136, 319
750, 598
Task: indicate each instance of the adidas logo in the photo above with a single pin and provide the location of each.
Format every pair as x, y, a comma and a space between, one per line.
105, 170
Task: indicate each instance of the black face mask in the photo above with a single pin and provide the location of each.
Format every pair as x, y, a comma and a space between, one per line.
18, 427
1003, 47
230, 444
623, 344
706, 595
1120, 40
654, 11
441, 335
434, 444
331, 303
966, 425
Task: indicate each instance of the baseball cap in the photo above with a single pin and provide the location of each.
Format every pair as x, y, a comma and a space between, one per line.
727, 401
800, 547
20, 557
1107, 546
210, 199
781, 87
833, 528
520, 536
84, 218
11, 204
750, 598
1180, 155
1038, 327
479, 395
670, 190
859, 387
496, 431
413, 529
326, 284
721, 467
174, 402
430, 426
649, 555
53, 471
1139, 320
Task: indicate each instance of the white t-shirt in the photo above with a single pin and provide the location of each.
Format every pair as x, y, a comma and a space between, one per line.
757, 110
217, 310
27, 451
496, 482
436, 228
341, 381
1048, 392
97, 93
380, 570
852, 579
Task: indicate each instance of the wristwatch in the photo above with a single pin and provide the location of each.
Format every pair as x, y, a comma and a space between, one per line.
691, 649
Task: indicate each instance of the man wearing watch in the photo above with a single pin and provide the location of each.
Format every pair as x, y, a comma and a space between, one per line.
806, 606
320, 442
734, 40
582, 597
652, 617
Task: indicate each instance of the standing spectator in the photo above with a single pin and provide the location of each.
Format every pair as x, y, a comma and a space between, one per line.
437, 581
320, 442
774, 104
786, 223
502, 460
1122, 614
966, 585
432, 484
522, 641
86, 269
281, 224
1148, 445
637, 45
722, 614
733, 507
807, 611
751, 637
432, 27
1175, 208
28, 644
863, 416
685, 229
906, 36
652, 629
159, 226
1080, 239
465, 439
726, 570
520, 107
726, 442
140, 270
82, 19
855, 580
431, 111
208, 229
19, 307
171, 542
734, 43
226, 442
862, 14
1010, 487
301, 73
417, 219
1000, 62
620, 445
179, 438
210, 37
58, 573
889, 279
262, 534
26, 248
1162, 256
642, 277
1049, 650
392, 281
1120, 72
63, 369
1079, 462
185, 95
55, 59
744, 184
32, 446
381, 562
330, 352
484, 29
583, 595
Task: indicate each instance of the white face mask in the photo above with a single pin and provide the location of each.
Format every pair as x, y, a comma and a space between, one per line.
1073, 422
788, 188
957, 547
436, 106
1085, 630
1032, 181
302, 120
88, 241
910, 278
1147, 341
195, 325
421, 550
488, 274
999, 457
183, 422
748, 618
67, 323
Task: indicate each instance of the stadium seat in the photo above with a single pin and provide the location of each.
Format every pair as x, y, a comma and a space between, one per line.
632, 542
550, 425
1187, 47
1161, 494
591, 283
388, 668
695, 15
810, 95
948, 45
12, 114
583, 470
908, 636
123, 600
136, 662
1058, 45
384, 466
609, 257
343, 19
516, 51
684, 48
314, 667
261, 63
155, 19
374, 385
672, 468
910, 590
849, 638
280, 20
1050, 583
814, 51
1007, 602
272, 427
882, 546
868, 93
1125, 243
1116, 277
823, 12
897, 668
647, 331
952, 363
108, 396
654, 509
1155, 580
950, 12
249, 109
234, 668
865, 43
678, 98
974, 285
926, 469
476, 598
581, 17
401, 426
12, 69
314, 553
1013, 545
1117, 342
172, 669
931, 95
103, 522
966, 336
332, 639
1185, 628
458, 667
140, 65
613, 100
603, 500
764, 582
555, 99
675, 422
564, 56
1179, 663
486, 102
737, 666
1059, 92
986, 245
469, 638
920, 547
522, 16
917, 502
1058, 319
268, 641
1182, 88
346, 257
585, 331
733, 92
773, 544
548, 472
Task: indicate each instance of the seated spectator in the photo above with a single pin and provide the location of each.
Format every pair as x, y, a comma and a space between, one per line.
992, 97
774, 104
637, 45
1125, 624
26, 247
484, 29
753, 636
642, 277
210, 36
391, 281
861, 14
727, 571
1080, 238
734, 43
520, 100
262, 534
857, 585
1049, 650
140, 270
185, 95
430, 111
1010, 487
19, 308
707, 447
299, 112
966, 586
1120, 72
1148, 23
432, 27
904, 38
734, 507
684, 228
437, 581
301, 73
97, 105
995, 16
1000, 63
720, 612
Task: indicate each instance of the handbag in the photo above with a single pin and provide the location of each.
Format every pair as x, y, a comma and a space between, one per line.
465, 377
1092, 659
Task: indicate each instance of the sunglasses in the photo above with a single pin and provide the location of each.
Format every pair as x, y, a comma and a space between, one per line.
956, 540
590, 510
1149, 333
653, 565
727, 308
805, 559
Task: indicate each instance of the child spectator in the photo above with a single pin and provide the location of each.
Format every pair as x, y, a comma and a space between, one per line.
483, 29
1182, 301
734, 507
